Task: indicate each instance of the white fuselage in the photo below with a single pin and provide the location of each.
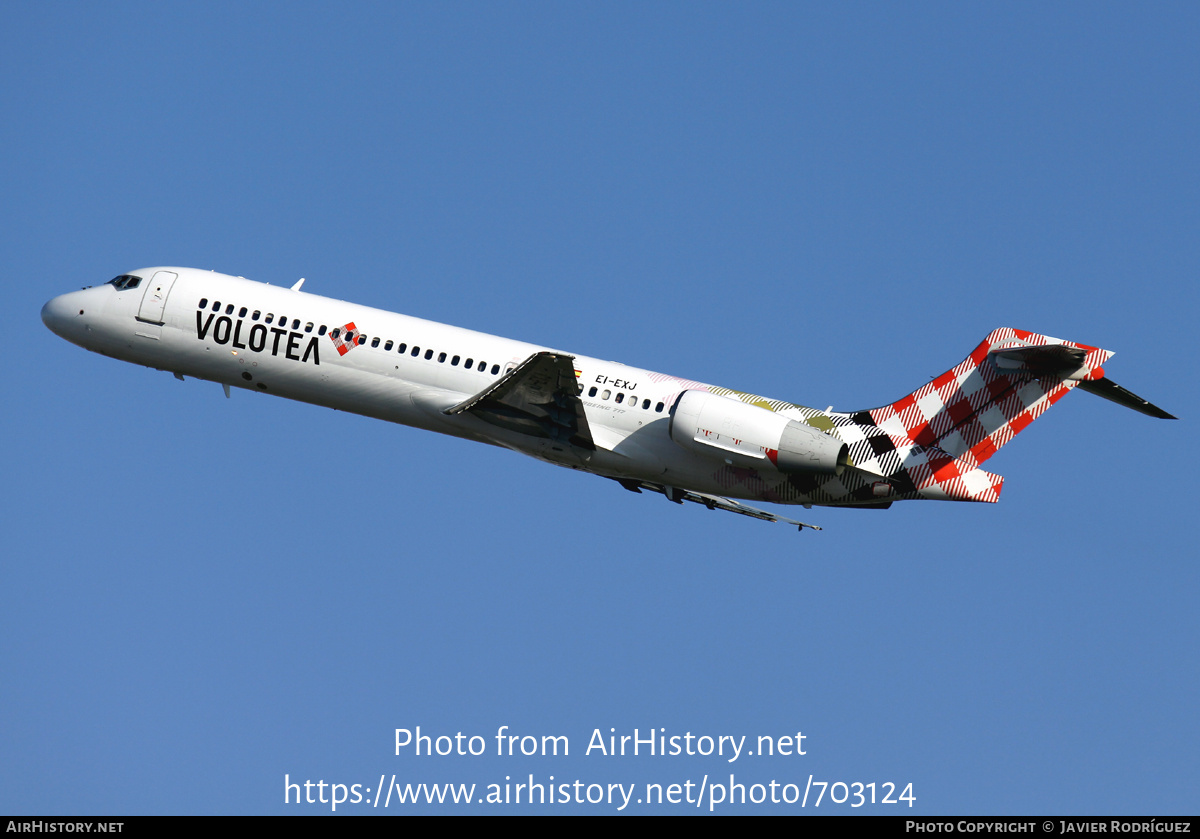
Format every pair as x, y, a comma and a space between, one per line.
401, 369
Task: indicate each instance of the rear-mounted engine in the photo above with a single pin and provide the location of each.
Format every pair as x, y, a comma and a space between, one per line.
747, 435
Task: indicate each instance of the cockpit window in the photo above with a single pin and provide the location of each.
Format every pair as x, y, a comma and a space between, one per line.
125, 281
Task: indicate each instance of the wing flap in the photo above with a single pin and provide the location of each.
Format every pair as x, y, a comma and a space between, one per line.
713, 502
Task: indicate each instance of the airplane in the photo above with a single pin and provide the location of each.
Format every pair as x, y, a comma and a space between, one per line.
647, 431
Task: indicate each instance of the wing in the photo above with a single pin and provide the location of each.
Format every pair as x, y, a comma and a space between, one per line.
712, 502
539, 397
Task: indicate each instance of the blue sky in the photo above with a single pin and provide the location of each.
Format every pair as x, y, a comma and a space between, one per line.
822, 204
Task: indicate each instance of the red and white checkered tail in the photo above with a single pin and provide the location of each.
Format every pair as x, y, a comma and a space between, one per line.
972, 410
930, 443
945, 429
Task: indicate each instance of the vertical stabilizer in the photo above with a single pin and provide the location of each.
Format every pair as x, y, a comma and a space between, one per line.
945, 429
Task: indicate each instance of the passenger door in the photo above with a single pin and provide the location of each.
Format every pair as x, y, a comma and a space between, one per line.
154, 300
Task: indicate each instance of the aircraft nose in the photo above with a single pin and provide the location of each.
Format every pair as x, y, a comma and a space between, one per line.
62, 312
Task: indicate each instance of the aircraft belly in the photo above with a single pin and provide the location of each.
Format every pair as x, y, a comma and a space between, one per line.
329, 385
673, 466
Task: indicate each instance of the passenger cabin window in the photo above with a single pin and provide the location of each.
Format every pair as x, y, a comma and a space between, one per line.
321, 331
469, 363
243, 312
375, 342
592, 391
620, 398
388, 346
482, 366
257, 314
606, 394
270, 318
203, 301
495, 369
216, 305
428, 354
454, 361
441, 358
402, 348
308, 327
416, 352
229, 309
296, 323
362, 339
658, 408
337, 330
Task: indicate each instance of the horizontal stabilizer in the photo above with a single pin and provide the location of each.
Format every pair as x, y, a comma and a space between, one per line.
1061, 360
1110, 390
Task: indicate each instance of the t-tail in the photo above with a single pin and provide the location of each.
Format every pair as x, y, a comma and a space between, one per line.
933, 441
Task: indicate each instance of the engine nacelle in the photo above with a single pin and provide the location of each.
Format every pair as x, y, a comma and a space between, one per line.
748, 435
